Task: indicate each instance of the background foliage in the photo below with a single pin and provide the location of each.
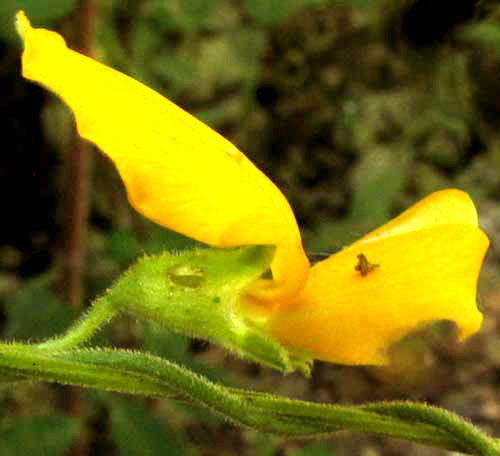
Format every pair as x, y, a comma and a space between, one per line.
355, 108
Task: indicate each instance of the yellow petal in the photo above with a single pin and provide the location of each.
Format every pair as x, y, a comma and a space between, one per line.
178, 172
449, 206
425, 274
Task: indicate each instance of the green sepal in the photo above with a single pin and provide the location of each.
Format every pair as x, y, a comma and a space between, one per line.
201, 293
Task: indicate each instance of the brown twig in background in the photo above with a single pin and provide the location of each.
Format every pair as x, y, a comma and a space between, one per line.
79, 171
80, 180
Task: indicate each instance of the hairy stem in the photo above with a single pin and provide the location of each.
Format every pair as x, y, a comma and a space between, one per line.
143, 374
101, 312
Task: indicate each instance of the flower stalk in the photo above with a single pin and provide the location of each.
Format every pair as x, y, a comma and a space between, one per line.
197, 293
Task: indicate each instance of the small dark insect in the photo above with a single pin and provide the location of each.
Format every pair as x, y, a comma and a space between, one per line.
364, 266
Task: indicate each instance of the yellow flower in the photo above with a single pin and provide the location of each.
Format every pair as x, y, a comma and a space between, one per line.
420, 267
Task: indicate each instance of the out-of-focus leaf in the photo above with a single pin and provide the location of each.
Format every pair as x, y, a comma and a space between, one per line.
377, 183
179, 69
175, 347
452, 97
113, 52
217, 115
40, 435
35, 312
264, 445
124, 247
139, 433
485, 33
161, 239
272, 12
6, 283
356, 3
190, 14
41, 12
219, 62
145, 39
249, 44
166, 344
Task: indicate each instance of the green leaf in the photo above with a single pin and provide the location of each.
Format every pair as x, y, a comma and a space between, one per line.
138, 432
39, 435
41, 13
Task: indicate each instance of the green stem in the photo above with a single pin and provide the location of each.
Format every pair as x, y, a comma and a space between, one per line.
30, 363
470, 435
329, 417
143, 374
101, 312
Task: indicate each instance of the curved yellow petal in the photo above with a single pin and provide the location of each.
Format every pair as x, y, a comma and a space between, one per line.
178, 172
449, 206
421, 275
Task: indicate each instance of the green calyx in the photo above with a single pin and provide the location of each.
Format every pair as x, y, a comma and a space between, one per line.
201, 293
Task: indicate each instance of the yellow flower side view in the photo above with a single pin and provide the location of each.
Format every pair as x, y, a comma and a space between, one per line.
420, 267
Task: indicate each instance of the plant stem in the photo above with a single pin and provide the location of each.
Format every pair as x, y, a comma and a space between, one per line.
471, 436
101, 312
143, 374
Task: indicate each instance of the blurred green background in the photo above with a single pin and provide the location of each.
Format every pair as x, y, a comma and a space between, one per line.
355, 108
